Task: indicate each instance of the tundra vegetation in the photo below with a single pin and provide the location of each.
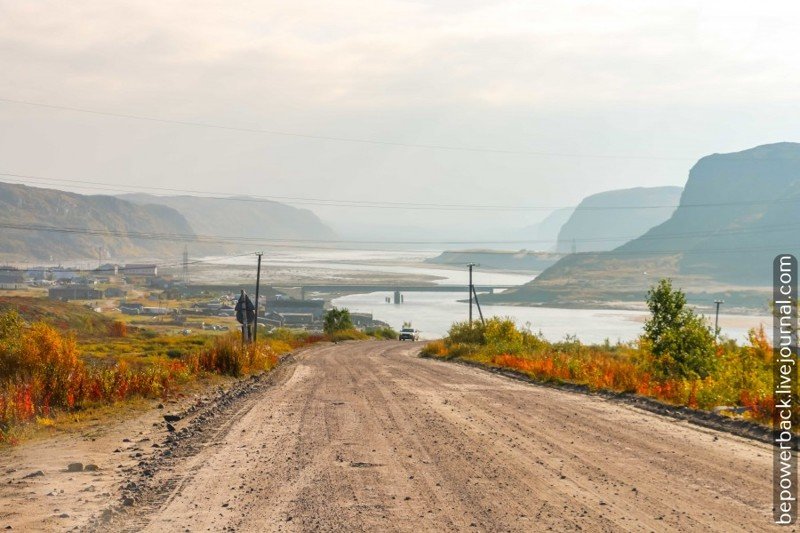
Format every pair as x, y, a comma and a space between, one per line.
338, 326
675, 360
62, 360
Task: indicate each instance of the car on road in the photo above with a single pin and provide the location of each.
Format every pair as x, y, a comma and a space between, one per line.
409, 334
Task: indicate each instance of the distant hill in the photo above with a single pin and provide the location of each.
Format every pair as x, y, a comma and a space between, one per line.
522, 261
76, 216
736, 213
242, 217
543, 235
596, 225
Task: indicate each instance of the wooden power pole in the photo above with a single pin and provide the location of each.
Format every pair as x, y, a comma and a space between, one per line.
258, 283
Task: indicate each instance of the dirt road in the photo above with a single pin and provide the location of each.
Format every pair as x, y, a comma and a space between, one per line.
368, 437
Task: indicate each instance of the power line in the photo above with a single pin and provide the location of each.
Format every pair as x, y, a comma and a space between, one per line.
190, 237
304, 244
95, 185
376, 142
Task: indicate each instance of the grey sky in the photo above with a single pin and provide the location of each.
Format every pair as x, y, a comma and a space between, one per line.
666, 82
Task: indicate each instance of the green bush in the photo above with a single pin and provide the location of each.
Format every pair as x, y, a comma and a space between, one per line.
337, 320
382, 333
682, 344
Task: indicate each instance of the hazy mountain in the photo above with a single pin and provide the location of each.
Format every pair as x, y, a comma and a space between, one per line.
736, 213
23, 208
605, 220
543, 235
242, 217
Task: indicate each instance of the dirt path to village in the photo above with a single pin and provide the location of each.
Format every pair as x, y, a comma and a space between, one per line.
368, 437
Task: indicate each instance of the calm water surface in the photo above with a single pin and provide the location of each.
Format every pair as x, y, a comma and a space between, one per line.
433, 313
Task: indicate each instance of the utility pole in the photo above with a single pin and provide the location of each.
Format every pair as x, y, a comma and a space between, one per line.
470, 265
258, 282
716, 319
186, 264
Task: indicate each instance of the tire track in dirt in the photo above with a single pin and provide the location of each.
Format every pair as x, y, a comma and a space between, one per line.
368, 437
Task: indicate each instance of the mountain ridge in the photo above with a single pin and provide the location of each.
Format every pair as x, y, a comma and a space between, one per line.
735, 214
597, 224
81, 221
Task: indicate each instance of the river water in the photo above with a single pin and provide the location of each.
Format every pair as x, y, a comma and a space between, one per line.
433, 313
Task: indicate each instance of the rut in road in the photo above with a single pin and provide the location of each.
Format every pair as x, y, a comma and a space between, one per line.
368, 437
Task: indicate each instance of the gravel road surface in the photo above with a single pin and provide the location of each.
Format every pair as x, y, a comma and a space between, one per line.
368, 437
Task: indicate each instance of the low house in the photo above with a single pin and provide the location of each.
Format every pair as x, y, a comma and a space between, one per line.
38, 273
271, 319
361, 320
297, 319
156, 311
106, 270
131, 308
145, 270
115, 292
64, 274
315, 308
74, 292
11, 275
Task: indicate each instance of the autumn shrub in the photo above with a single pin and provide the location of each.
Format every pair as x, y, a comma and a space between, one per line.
350, 334
229, 356
41, 370
385, 333
738, 376
118, 328
435, 349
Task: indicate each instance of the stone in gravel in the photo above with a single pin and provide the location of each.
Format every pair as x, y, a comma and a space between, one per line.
170, 427
127, 502
63, 515
91, 468
126, 440
160, 406
172, 418
38, 473
75, 467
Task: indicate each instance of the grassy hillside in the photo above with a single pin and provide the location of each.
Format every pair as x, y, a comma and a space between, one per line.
736, 213
75, 214
63, 316
598, 225
243, 217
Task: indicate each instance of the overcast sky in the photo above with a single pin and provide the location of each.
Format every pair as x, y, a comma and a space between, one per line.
618, 93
